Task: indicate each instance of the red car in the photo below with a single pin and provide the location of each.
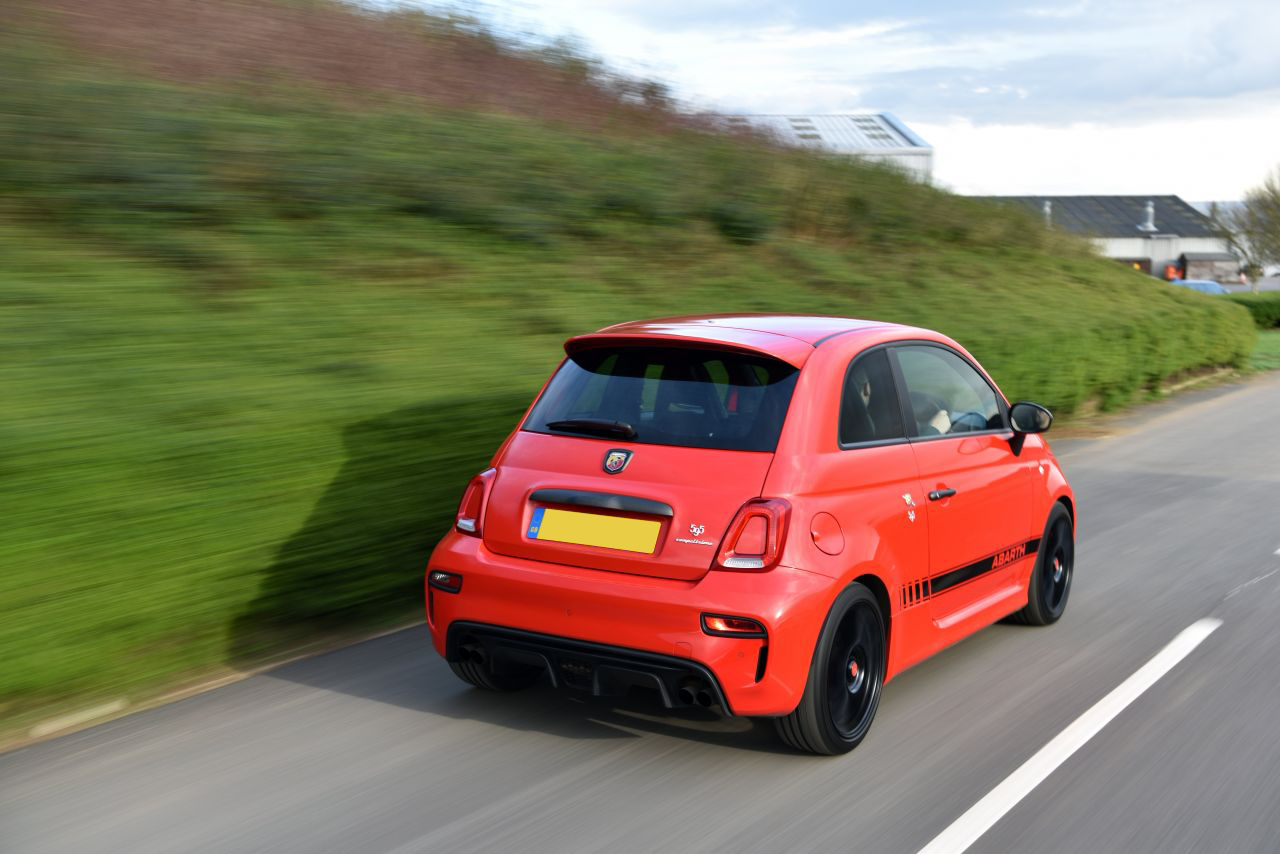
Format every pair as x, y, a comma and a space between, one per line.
773, 515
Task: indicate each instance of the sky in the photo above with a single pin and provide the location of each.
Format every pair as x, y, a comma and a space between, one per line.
1080, 96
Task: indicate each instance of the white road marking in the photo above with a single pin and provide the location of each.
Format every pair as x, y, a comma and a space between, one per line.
979, 818
1249, 583
1278, 551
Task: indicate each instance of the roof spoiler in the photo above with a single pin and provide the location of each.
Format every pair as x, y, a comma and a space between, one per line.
793, 351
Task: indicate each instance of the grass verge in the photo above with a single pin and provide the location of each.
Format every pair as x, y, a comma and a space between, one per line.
1266, 353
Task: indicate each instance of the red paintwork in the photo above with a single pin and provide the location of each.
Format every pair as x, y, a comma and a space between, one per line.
703, 486
848, 522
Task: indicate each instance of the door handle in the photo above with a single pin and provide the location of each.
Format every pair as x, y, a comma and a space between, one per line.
939, 494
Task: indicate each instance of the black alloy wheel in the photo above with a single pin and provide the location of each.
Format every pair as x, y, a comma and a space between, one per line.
845, 678
1055, 567
854, 670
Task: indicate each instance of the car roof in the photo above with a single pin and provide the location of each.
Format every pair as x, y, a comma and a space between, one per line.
785, 336
811, 329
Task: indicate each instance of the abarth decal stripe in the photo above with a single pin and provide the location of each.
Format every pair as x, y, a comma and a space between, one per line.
999, 560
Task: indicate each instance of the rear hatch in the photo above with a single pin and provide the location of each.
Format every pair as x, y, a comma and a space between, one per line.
637, 458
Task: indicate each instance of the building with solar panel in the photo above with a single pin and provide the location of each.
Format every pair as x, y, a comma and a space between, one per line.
880, 137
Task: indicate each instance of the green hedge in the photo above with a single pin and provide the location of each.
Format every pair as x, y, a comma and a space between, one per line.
1265, 307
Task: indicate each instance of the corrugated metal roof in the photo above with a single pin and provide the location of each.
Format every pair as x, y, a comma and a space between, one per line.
847, 133
1118, 216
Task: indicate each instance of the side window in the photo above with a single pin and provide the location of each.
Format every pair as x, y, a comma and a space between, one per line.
869, 408
947, 395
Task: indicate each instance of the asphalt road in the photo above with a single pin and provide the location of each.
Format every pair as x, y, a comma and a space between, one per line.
377, 748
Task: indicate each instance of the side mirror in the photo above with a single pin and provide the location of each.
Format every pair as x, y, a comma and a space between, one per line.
1030, 417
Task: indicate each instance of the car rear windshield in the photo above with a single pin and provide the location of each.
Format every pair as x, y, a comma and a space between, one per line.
668, 396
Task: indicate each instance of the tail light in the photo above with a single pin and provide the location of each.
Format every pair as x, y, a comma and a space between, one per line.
471, 510
756, 535
732, 627
449, 582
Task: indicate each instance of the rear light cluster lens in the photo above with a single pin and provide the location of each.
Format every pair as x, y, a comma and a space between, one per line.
756, 536
732, 627
449, 582
471, 510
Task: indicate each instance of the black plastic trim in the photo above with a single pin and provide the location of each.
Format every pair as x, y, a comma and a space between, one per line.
602, 500
825, 338
1002, 433
610, 667
874, 443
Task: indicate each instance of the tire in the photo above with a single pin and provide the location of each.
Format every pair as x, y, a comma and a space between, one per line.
1050, 583
843, 689
475, 670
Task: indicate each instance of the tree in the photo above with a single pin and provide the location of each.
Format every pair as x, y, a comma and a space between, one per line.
1253, 226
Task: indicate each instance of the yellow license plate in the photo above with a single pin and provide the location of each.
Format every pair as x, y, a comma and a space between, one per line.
592, 529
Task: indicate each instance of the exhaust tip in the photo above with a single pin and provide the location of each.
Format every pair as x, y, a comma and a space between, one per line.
685, 696
704, 698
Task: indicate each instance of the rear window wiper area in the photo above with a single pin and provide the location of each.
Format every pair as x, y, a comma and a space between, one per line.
594, 426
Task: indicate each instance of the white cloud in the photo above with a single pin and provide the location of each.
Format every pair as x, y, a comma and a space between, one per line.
1143, 96
1075, 10
1217, 156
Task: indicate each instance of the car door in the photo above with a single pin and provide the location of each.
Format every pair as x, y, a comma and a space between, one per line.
977, 492
870, 485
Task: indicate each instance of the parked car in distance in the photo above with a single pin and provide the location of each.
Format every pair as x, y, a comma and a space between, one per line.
771, 515
1204, 286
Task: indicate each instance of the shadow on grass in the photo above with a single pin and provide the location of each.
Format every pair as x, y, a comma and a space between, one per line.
360, 556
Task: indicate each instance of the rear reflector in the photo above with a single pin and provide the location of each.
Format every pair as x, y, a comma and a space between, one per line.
732, 627
743, 563
448, 582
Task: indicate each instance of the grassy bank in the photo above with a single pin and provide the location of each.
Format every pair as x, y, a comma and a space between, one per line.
256, 341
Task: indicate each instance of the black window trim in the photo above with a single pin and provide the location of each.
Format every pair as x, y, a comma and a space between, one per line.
908, 417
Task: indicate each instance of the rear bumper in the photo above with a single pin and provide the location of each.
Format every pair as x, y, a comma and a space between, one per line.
628, 624
599, 669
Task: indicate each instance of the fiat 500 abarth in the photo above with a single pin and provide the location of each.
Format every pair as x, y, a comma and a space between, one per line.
770, 515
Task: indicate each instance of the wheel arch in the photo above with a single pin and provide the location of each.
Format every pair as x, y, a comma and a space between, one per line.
880, 590
1065, 501
1069, 504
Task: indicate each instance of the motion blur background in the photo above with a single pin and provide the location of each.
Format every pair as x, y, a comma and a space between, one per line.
276, 278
